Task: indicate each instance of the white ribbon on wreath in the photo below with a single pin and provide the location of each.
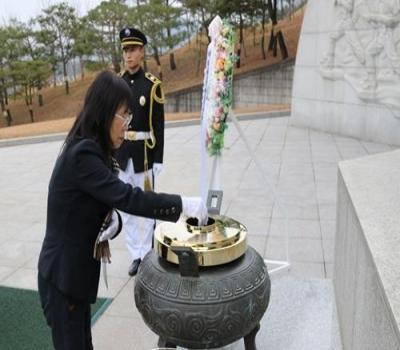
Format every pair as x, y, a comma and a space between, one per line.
207, 108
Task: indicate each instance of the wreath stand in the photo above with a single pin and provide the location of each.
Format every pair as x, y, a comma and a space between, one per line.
214, 194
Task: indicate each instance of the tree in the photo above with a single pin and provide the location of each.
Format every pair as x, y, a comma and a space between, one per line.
36, 51
108, 18
58, 23
264, 9
153, 25
3, 77
27, 68
27, 73
236, 9
204, 10
47, 40
3, 96
160, 20
278, 38
86, 39
242, 13
171, 17
189, 22
11, 49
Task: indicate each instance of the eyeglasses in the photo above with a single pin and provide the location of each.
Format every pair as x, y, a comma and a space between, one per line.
126, 118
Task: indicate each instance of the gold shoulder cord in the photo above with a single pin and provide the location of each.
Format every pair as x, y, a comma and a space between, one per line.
159, 99
152, 142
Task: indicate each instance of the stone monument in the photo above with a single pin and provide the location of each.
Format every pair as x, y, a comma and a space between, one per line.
347, 74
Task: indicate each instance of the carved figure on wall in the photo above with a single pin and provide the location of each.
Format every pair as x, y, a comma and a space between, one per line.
385, 20
345, 27
370, 31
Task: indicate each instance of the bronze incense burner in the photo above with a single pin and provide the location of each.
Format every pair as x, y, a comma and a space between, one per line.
202, 287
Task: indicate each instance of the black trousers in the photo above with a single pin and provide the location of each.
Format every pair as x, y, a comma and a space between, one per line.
69, 321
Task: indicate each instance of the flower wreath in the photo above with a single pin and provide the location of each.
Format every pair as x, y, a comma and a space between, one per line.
221, 93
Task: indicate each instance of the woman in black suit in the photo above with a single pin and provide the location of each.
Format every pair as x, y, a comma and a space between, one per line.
83, 189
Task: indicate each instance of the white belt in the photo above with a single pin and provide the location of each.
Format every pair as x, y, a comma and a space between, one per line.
137, 135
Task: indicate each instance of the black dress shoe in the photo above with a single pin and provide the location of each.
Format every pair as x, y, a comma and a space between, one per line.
134, 267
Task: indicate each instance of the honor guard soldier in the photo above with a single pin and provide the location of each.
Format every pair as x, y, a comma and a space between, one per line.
141, 155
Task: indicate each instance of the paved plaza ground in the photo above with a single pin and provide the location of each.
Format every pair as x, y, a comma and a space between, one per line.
300, 167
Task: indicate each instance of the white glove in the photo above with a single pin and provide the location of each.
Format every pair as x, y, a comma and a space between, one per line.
195, 207
112, 228
157, 168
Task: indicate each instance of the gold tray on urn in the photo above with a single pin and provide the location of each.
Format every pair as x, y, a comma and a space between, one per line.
219, 242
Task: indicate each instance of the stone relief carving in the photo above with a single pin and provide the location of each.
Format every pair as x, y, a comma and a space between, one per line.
364, 50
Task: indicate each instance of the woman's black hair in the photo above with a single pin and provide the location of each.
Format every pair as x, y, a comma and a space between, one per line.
106, 94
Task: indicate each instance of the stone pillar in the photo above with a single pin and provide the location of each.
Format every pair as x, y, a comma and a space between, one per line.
367, 260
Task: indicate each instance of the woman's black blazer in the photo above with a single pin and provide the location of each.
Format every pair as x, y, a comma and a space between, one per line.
82, 190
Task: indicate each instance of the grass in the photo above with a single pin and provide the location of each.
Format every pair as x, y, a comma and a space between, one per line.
22, 324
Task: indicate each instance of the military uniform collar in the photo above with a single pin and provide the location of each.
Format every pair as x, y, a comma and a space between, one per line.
135, 75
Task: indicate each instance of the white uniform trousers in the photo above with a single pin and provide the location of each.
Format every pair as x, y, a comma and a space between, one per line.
138, 230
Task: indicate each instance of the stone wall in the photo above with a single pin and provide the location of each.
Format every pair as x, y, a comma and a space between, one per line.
347, 74
366, 270
270, 85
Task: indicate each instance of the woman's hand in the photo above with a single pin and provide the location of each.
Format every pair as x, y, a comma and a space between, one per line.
157, 168
195, 207
112, 229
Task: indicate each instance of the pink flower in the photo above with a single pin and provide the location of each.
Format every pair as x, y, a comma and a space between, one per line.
223, 55
219, 111
220, 85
